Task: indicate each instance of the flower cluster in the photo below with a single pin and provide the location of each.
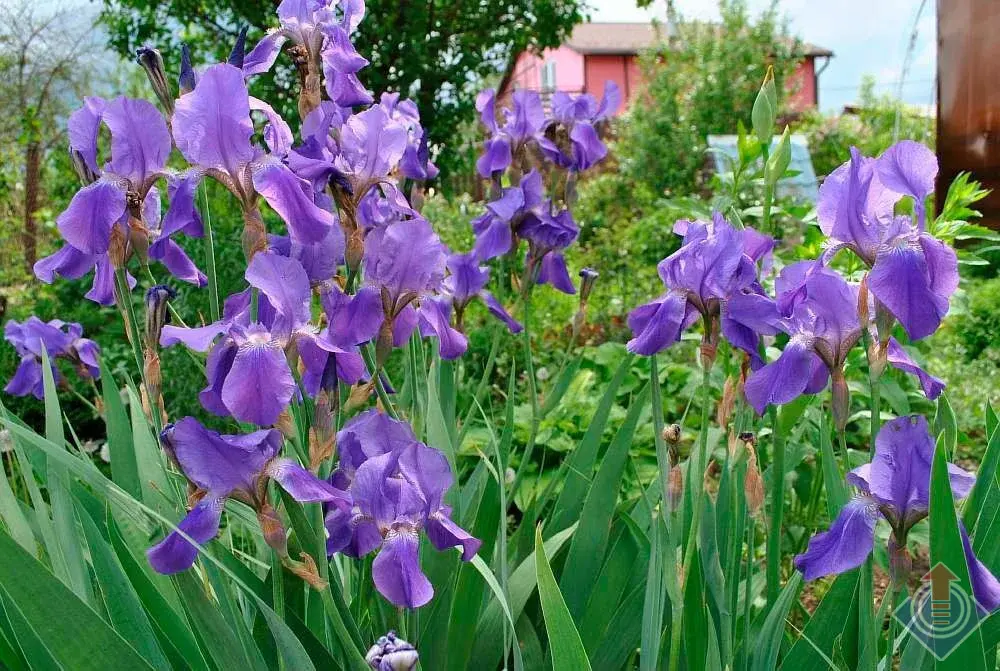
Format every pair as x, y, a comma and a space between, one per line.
397, 486
717, 274
58, 340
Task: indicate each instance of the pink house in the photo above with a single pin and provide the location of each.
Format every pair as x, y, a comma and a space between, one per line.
597, 52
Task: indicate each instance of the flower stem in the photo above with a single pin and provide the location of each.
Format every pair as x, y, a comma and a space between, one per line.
777, 507
213, 282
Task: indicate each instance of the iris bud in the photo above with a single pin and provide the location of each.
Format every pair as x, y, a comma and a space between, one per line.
186, 80
152, 62
239, 49
157, 298
391, 653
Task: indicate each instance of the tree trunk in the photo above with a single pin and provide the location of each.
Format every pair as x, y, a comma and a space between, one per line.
32, 188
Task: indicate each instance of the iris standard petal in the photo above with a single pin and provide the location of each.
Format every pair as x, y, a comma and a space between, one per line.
211, 124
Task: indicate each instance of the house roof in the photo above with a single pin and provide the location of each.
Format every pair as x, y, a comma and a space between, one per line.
631, 38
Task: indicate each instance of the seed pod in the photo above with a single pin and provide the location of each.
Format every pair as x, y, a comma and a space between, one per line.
675, 487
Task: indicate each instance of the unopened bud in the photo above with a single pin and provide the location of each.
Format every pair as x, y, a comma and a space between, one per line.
274, 530
157, 316
83, 171
186, 81
841, 400
152, 62
238, 53
587, 278
391, 653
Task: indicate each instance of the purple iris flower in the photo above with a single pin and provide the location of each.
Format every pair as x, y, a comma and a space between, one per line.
496, 228
522, 124
913, 275
248, 372
323, 35
819, 311
397, 485
59, 340
121, 200
212, 129
415, 163
896, 487
571, 139
713, 275
548, 235
230, 466
467, 281
405, 262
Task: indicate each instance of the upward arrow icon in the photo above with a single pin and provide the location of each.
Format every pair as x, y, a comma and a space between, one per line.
940, 578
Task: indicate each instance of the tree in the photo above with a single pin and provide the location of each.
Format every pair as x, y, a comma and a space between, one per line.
438, 52
698, 83
43, 70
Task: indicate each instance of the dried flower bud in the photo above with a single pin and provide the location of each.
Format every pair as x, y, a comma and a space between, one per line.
254, 233
841, 400
358, 398
355, 250
274, 530
675, 487
118, 247
186, 81
864, 311
728, 401
672, 434
285, 424
391, 653
753, 482
878, 353
384, 343
306, 569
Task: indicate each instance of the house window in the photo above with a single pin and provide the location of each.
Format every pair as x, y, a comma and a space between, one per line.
549, 76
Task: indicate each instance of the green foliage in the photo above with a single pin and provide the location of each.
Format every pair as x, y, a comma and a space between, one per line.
699, 83
875, 123
436, 52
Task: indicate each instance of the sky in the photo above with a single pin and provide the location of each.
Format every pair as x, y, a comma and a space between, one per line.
866, 37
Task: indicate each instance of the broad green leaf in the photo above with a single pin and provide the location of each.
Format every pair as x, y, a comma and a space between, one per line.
13, 516
520, 586
124, 471
945, 421
835, 616
947, 549
151, 467
697, 621
63, 512
580, 462
768, 643
561, 385
586, 552
74, 635
982, 502
654, 601
123, 607
565, 645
